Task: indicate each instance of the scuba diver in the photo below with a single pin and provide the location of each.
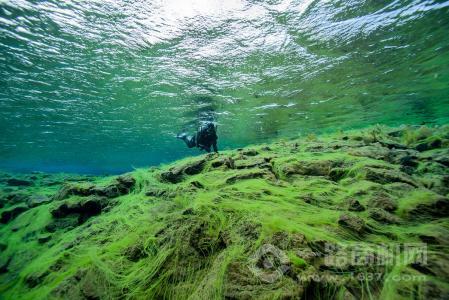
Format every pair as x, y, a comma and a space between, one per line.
205, 138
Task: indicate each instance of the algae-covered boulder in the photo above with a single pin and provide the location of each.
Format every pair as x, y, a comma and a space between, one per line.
384, 176
310, 168
355, 205
435, 209
383, 216
250, 152
353, 223
428, 145
382, 200
135, 252
226, 161
176, 174
120, 186
36, 200
15, 197
12, 213
86, 283
83, 208
248, 175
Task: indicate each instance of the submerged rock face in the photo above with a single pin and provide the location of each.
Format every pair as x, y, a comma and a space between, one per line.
8, 215
311, 168
83, 209
177, 174
121, 186
300, 219
353, 223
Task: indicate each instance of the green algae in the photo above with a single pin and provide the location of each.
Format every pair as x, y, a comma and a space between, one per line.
263, 222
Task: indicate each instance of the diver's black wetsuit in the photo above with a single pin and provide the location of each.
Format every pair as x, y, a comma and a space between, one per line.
205, 138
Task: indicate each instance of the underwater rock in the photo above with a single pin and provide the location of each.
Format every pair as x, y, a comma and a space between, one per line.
156, 193
408, 158
87, 283
135, 252
322, 247
85, 208
383, 201
248, 175
254, 163
120, 186
309, 168
197, 184
428, 145
355, 205
227, 161
36, 200
65, 223
435, 209
353, 223
18, 182
382, 216
439, 184
176, 174
250, 152
384, 176
372, 151
337, 174
12, 213
250, 231
271, 258
204, 242
392, 145
242, 282
126, 182
408, 161
16, 198
193, 168
440, 156
288, 241
73, 190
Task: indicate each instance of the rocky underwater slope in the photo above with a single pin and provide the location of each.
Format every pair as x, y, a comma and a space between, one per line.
353, 215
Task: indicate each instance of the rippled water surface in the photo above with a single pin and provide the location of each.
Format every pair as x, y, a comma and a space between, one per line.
104, 86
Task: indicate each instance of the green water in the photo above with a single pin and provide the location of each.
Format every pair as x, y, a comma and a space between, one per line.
104, 86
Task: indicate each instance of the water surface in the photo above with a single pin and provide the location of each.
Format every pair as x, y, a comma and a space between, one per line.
104, 86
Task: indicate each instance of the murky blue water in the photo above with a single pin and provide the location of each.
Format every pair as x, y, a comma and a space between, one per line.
104, 86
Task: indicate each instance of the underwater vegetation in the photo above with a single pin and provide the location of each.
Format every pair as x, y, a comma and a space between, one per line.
352, 215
